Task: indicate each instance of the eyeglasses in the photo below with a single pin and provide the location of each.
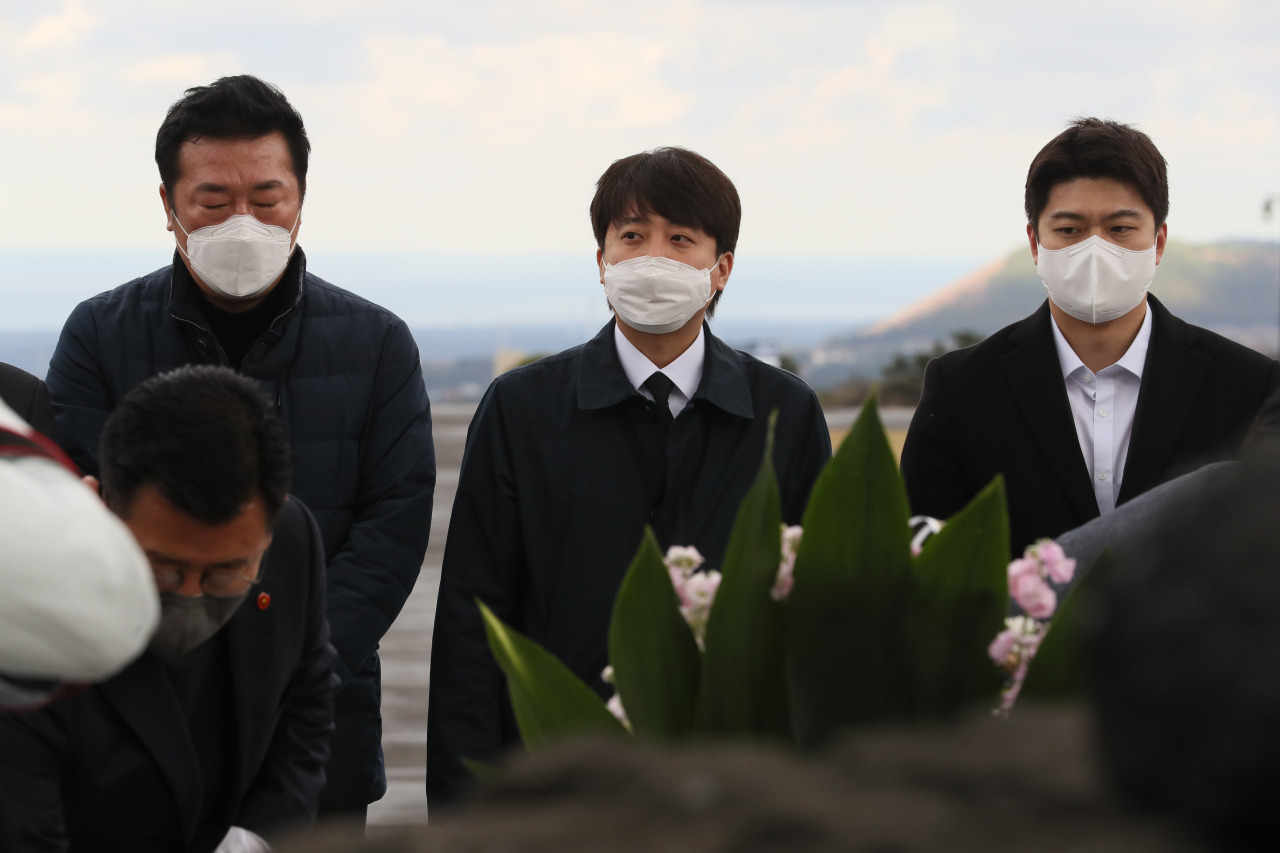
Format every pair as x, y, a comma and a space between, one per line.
212, 583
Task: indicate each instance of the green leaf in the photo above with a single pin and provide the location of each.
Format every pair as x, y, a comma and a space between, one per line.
742, 691
654, 655
1056, 672
962, 598
846, 614
550, 702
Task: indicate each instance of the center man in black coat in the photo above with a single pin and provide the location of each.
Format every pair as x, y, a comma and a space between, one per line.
654, 421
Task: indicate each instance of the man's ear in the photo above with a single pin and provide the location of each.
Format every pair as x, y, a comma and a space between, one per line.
724, 266
1034, 241
600, 263
1162, 240
168, 211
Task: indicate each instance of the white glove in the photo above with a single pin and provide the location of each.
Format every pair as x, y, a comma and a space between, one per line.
240, 840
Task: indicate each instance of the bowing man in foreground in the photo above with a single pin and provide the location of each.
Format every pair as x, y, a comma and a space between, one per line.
217, 735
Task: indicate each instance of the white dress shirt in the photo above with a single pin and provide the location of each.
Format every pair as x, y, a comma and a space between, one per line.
1103, 406
685, 371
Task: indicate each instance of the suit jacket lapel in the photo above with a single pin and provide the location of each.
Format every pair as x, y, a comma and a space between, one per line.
142, 696
1040, 395
251, 637
1171, 378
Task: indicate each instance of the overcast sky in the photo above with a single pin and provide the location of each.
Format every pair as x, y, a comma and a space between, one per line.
852, 129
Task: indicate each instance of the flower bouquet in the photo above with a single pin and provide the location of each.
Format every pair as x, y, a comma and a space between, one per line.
797, 636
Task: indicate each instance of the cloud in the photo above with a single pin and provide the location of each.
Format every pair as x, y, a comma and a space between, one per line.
177, 70
485, 94
880, 126
62, 30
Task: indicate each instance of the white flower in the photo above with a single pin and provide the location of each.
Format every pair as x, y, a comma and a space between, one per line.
685, 558
784, 580
929, 526
697, 591
615, 707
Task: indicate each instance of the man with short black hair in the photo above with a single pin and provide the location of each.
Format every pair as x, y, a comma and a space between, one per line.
1102, 393
344, 374
218, 734
654, 421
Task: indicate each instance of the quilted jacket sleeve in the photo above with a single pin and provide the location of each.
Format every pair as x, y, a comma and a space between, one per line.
78, 388
374, 570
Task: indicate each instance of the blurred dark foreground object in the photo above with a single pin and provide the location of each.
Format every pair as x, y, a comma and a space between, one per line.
983, 785
1183, 636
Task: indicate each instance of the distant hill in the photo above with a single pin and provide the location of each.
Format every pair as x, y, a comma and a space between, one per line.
1232, 288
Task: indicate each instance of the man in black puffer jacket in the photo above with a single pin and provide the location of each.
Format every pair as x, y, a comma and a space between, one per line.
345, 375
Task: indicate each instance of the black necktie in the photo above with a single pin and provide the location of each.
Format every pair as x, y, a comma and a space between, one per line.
660, 387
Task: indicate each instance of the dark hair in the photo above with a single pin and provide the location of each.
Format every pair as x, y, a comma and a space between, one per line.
1183, 645
1098, 148
240, 107
206, 437
675, 183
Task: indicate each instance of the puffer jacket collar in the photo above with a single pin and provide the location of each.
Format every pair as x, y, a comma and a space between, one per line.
184, 306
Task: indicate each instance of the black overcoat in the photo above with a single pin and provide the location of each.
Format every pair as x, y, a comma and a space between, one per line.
558, 482
1001, 407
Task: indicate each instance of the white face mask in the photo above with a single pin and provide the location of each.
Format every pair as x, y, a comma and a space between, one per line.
655, 294
241, 257
1094, 280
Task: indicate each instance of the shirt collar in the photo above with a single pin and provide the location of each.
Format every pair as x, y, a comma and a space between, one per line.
603, 382
685, 371
1133, 359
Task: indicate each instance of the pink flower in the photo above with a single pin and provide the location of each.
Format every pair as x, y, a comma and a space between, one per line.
1001, 648
1029, 644
1029, 589
791, 540
1061, 568
697, 592
786, 566
678, 577
782, 584
1010, 694
700, 590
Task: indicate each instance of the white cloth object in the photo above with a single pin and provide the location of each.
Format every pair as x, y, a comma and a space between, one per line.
240, 840
79, 601
1103, 406
685, 371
